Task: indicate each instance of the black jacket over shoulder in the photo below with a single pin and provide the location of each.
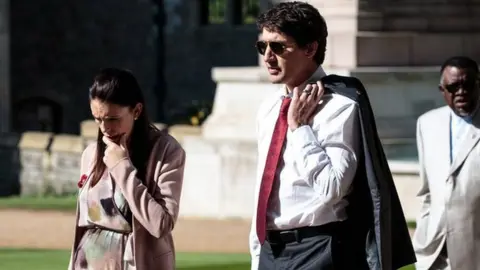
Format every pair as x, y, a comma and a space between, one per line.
375, 215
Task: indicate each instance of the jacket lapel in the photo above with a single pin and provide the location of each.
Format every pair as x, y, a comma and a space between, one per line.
442, 144
470, 140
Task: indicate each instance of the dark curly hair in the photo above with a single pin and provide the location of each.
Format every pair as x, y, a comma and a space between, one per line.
299, 20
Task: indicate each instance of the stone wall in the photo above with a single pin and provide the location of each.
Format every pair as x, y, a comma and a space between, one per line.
35, 162
46, 164
42, 163
50, 51
65, 162
221, 161
225, 172
57, 46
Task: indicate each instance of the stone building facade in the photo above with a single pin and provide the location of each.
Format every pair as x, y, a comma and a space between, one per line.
56, 47
50, 51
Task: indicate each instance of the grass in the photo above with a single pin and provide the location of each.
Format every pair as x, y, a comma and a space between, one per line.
26, 259
412, 224
67, 203
39, 259
64, 203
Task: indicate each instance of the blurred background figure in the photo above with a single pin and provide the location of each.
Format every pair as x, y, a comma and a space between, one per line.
449, 153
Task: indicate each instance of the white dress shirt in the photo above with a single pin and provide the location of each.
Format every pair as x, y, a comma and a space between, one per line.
319, 164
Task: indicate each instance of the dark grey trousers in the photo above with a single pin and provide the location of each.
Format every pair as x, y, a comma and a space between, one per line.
321, 252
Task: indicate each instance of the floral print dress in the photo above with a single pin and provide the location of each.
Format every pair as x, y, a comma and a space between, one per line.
102, 210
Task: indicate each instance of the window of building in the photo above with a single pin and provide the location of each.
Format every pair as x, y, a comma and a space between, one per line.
232, 12
37, 114
250, 11
216, 11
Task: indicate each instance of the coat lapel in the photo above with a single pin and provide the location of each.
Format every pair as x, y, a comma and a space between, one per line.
442, 129
470, 140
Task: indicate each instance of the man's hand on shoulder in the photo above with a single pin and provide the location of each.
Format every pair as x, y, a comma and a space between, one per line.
304, 105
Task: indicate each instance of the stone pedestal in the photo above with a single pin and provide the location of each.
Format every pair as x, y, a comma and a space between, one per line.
398, 96
221, 162
238, 95
34, 159
180, 131
394, 47
65, 161
88, 132
219, 178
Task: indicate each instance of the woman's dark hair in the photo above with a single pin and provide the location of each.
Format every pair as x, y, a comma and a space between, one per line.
119, 87
299, 20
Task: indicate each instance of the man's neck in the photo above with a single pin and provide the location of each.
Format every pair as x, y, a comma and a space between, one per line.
302, 80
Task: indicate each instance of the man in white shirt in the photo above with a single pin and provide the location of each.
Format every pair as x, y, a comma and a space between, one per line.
447, 234
309, 148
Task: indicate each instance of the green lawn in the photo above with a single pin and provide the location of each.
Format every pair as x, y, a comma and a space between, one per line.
26, 259
66, 203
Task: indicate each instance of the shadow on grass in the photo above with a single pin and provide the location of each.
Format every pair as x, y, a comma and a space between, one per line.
239, 266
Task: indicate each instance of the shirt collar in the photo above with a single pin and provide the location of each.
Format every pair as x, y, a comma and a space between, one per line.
318, 74
458, 119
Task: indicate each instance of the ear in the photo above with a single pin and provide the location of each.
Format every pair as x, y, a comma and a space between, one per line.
137, 110
311, 49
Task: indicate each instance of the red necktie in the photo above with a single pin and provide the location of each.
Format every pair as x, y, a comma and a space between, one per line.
273, 157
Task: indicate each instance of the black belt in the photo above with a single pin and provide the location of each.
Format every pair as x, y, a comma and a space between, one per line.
297, 234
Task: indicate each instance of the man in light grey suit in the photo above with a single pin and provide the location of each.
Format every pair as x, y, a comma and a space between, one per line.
448, 227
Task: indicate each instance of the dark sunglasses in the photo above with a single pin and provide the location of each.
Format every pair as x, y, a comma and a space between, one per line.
277, 48
466, 85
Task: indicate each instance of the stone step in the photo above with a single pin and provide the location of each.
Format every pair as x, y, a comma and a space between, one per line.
432, 24
432, 9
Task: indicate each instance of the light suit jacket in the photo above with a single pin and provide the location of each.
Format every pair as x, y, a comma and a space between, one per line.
451, 206
154, 204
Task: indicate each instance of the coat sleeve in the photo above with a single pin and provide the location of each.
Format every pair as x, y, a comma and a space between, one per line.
158, 213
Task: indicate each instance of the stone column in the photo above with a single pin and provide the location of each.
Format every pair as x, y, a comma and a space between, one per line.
4, 66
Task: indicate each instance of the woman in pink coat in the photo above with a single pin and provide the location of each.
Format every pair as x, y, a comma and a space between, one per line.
130, 185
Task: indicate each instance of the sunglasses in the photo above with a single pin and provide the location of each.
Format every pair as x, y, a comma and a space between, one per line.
466, 85
277, 48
